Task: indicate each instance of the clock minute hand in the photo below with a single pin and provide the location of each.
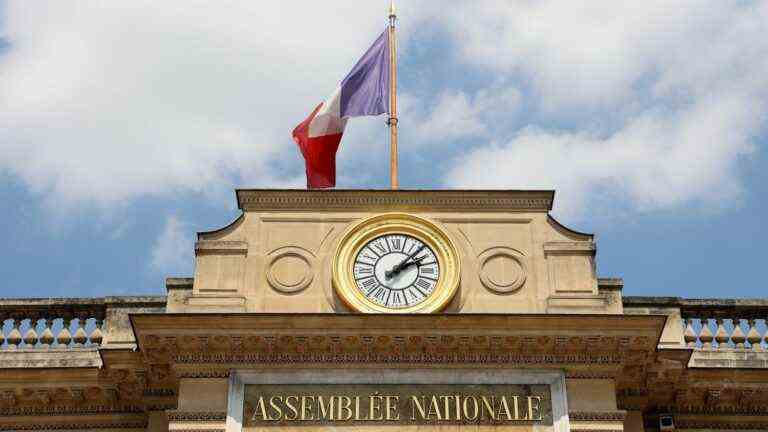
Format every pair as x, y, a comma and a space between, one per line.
396, 269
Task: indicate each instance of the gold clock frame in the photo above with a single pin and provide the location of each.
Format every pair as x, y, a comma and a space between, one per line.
358, 236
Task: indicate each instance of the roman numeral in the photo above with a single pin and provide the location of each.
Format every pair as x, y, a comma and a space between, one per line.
396, 243
423, 283
379, 247
411, 245
369, 284
380, 293
413, 293
363, 270
398, 299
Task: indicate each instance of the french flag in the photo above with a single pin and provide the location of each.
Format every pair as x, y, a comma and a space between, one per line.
364, 92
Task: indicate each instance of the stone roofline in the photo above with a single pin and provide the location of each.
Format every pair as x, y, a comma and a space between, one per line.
720, 333
186, 283
301, 200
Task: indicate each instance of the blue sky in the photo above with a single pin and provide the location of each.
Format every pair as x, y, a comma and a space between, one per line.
124, 128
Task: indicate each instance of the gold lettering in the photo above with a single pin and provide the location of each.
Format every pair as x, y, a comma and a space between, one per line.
488, 407
374, 407
424, 409
391, 410
537, 407
344, 406
274, 405
434, 409
306, 408
260, 409
458, 406
325, 412
475, 408
415, 405
504, 409
291, 407
516, 404
446, 406
357, 409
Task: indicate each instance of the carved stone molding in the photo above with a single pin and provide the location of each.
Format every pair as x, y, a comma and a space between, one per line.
217, 373
399, 200
227, 360
193, 416
578, 429
198, 430
220, 246
139, 426
569, 248
598, 416
64, 409
719, 423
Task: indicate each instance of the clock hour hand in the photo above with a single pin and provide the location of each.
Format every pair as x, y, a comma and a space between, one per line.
416, 261
402, 264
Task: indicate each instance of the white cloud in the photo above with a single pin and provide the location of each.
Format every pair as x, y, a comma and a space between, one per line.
655, 102
172, 251
107, 102
650, 103
457, 115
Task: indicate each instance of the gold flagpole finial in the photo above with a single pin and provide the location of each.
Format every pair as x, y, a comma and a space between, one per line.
392, 10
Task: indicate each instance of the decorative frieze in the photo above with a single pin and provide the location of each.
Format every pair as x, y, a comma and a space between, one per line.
598, 416
263, 200
196, 416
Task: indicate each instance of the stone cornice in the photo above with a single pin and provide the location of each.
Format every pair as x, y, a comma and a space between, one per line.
322, 323
569, 248
51, 358
220, 246
212, 344
598, 416
197, 416
109, 421
265, 200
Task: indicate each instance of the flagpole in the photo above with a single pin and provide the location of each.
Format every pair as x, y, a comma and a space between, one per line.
392, 97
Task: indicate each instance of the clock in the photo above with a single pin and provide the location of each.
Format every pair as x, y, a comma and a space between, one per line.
396, 263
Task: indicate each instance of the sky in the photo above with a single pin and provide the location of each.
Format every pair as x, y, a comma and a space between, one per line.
126, 126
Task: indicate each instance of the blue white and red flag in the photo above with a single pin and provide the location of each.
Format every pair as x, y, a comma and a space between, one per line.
364, 92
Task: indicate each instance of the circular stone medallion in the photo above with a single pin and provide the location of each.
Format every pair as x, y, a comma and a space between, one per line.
501, 270
289, 272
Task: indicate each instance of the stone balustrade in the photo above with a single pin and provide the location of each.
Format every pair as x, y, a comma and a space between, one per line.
725, 324
710, 326
64, 323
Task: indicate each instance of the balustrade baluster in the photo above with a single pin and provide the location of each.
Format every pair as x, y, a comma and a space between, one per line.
46, 337
64, 337
753, 336
721, 334
690, 334
14, 336
705, 335
738, 337
96, 335
80, 337
30, 337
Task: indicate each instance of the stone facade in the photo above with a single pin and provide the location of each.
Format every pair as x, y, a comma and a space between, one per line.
262, 305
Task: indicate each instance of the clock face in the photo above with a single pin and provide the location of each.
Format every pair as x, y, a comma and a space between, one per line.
396, 271
395, 263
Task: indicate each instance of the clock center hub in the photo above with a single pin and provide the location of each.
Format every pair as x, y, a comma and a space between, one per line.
399, 280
